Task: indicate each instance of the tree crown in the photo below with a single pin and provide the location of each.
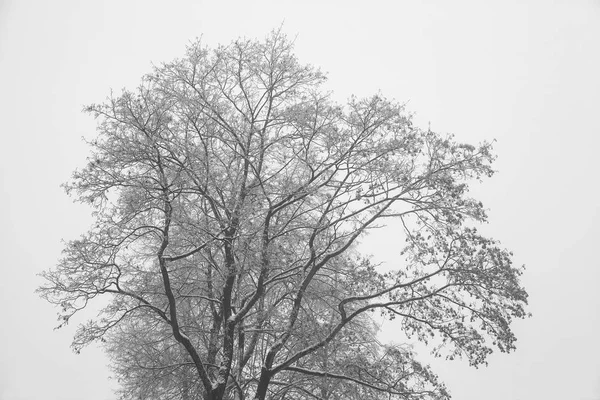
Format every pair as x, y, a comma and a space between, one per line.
230, 192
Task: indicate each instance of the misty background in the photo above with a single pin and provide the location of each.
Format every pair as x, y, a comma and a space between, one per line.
525, 73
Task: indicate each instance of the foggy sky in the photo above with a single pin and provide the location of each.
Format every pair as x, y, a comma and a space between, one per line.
524, 73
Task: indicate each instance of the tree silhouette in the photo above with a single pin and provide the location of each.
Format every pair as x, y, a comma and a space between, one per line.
230, 192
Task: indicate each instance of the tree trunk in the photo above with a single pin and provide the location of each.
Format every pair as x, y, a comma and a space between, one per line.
263, 384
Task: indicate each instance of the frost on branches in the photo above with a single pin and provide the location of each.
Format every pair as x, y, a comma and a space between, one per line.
230, 192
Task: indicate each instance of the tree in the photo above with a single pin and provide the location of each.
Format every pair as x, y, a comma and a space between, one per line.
230, 192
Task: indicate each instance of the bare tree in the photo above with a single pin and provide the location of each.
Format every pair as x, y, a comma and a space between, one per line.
230, 192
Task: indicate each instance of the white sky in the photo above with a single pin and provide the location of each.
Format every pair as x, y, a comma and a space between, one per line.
525, 73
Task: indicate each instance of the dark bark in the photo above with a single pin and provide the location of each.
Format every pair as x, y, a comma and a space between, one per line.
263, 384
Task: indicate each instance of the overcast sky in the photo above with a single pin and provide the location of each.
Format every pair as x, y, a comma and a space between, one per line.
526, 73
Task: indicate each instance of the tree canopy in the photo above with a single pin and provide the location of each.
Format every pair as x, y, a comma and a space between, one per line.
230, 192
